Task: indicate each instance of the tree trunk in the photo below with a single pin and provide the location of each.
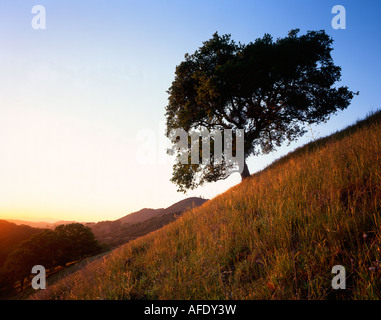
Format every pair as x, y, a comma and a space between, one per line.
245, 173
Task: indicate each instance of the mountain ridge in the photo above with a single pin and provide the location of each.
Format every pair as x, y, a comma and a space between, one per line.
136, 224
147, 213
133, 217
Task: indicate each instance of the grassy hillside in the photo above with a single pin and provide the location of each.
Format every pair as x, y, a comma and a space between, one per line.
276, 235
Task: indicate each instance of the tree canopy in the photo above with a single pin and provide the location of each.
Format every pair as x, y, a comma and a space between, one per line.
269, 88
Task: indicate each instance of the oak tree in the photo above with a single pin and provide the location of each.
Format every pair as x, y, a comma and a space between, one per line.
269, 88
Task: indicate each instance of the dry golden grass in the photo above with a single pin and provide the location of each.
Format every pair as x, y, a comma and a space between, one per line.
276, 235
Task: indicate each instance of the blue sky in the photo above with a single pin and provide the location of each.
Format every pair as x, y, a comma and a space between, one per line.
76, 97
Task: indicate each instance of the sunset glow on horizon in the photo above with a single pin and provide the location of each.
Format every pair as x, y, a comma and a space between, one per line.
74, 97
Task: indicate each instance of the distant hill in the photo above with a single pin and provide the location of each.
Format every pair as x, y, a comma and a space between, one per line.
183, 205
139, 223
131, 226
139, 216
42, 224
33, 224
145, 214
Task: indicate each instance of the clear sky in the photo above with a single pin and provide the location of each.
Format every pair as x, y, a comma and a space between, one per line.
80, 99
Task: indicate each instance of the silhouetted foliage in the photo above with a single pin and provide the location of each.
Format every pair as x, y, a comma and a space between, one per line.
77, 241
11, 235
271, 89
50, 249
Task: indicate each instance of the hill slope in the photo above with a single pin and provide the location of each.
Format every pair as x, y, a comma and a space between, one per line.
276, 235
139, 223
33, 224
146, 213
140, 216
